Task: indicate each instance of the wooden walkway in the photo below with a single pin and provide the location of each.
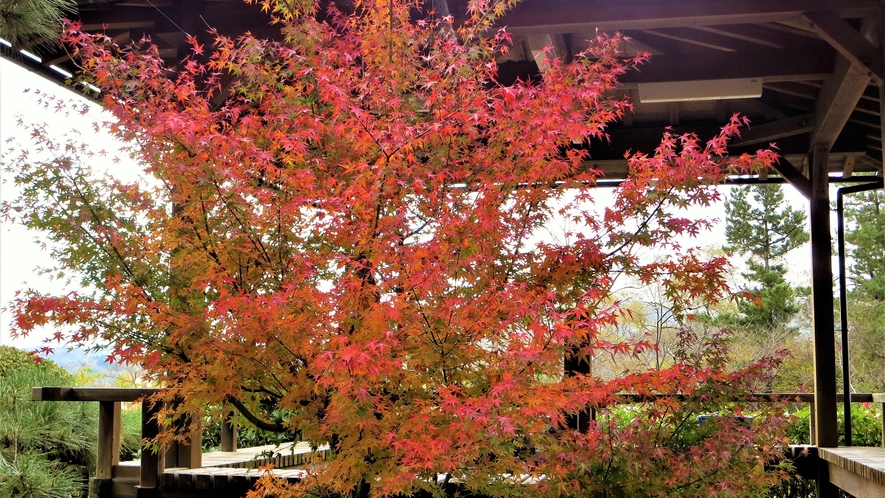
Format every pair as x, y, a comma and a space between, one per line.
223, 474
857, 470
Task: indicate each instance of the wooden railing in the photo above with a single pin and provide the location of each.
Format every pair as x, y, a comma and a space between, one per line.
183, 455
189, 455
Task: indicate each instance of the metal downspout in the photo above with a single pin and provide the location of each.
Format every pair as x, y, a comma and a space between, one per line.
843, 297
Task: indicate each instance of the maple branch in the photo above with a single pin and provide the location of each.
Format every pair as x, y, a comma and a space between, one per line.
256, 244
115, 252
642, 226
252, 418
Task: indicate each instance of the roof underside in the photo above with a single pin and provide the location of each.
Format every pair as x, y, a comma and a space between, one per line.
819, 63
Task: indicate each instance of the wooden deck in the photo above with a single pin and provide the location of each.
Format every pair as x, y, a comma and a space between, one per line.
223, 474
859, 471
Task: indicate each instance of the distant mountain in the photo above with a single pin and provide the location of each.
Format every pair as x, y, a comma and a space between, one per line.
75, 360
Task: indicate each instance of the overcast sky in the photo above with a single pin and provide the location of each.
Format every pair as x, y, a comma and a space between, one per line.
20, 255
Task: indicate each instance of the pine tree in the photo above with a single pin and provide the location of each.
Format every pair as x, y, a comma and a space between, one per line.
865, 215
766, 229
865, 235
28, 22
46, 449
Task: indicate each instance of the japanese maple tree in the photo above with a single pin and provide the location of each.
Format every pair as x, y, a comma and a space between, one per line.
345, 241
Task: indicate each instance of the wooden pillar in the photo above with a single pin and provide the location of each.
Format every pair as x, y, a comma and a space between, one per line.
190, 453
228, 435
574, 365
812, 434
108, 438
822, 302
823, 328
879, 398
151, 465
186, 454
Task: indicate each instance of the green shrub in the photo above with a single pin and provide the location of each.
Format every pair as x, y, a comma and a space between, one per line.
47, 450
130, 434
866, 425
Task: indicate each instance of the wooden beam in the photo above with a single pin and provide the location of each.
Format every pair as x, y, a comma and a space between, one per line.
543, 51
840, 94
769, 132
789, 27
690, 41
795, 177
794, 89
854, 484
569, 16
847, 41
113, 26
91, 393
837, 100
847, 171
770, 64
738, 36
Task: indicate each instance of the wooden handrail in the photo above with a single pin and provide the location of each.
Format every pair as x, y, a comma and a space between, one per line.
122, 394
189, 455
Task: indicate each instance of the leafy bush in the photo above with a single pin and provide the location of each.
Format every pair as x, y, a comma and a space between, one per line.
47, 450
130, 434
866, 428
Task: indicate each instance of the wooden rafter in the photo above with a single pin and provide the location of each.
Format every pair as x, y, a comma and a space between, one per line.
770, 64
838, 99
563, 16
690, 41
770, 132
738, 36
847, 41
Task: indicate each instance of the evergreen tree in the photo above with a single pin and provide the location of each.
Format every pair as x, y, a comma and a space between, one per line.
46, 449
766, 228
865, 234
865, 217
28, 22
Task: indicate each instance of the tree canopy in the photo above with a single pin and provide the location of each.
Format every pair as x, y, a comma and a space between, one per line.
343, 240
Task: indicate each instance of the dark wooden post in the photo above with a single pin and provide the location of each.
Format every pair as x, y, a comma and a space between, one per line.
151, 464
190, 454
822, 301
187, 454
108, 438
880, 399
574, 364
228, 435
823, 328
812, 433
